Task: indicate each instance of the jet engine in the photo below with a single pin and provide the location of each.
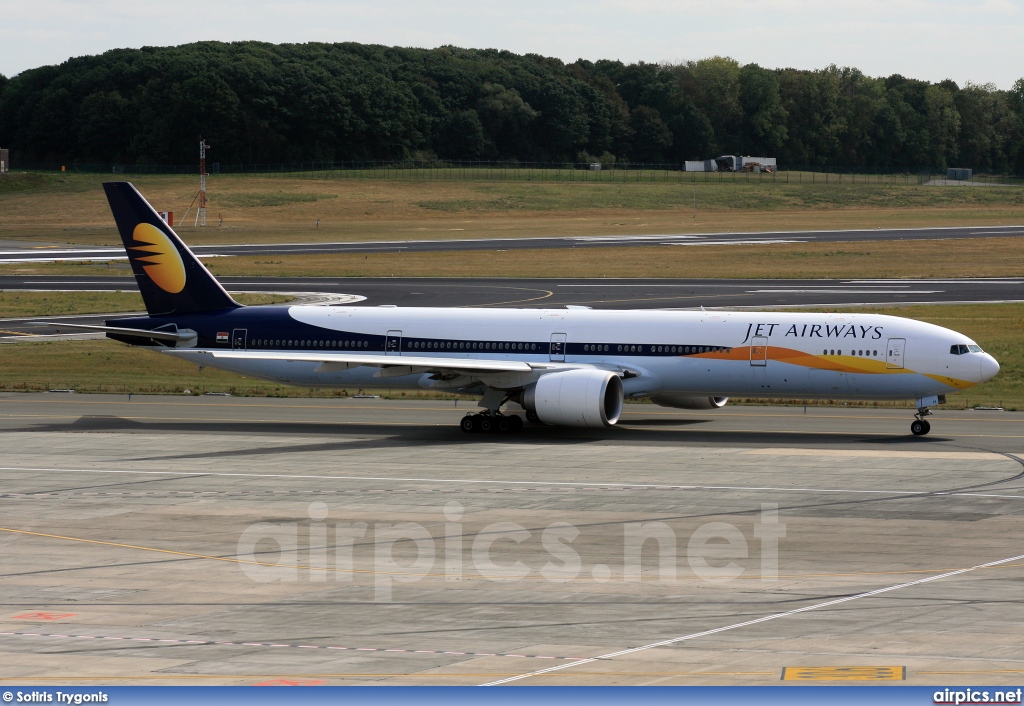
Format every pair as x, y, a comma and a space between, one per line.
688, 402
576, 398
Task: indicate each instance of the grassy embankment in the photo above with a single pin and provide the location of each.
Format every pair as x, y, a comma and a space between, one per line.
70, 208
107, 366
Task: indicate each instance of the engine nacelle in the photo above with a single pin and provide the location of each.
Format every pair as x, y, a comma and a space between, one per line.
576, 398
687, 402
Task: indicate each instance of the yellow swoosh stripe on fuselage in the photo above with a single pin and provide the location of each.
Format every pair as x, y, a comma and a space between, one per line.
837, 363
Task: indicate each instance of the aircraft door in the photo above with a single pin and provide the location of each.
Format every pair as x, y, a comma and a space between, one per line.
894, 352
557, 349
759, 350
238, 339
393, 343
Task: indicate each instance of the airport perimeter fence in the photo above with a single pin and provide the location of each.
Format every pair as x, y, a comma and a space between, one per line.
511, 170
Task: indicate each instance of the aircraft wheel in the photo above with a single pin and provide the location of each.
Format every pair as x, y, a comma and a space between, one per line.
485, 424
468, 424
504, 425
927, 426
532, 416
919, 427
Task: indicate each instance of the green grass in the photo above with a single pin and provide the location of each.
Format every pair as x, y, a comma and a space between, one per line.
25, 182
108, 366
257, 208
278, 198
768, 196
21, 304
104, 366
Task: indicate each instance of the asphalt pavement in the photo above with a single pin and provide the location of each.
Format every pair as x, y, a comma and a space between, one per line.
33, 252
221, 540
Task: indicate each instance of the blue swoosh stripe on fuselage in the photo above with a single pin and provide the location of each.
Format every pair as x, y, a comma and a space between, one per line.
273, 329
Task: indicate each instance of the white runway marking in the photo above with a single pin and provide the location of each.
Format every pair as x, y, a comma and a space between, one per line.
695, 243
646, 285
735, 626
849, 290
475, 481
964, 280
626, 238
271, 644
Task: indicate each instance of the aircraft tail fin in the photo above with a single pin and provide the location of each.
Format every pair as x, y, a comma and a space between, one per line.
172, 280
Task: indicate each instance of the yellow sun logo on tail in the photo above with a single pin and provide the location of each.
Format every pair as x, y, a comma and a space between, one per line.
159, 258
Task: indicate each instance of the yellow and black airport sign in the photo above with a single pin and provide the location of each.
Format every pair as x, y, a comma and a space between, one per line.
844, 673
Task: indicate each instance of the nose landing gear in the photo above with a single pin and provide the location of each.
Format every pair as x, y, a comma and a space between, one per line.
920, 426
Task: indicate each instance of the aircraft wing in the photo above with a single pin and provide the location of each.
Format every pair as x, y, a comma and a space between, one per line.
390, 365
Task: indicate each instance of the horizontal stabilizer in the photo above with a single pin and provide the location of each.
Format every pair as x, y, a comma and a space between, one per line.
143, 333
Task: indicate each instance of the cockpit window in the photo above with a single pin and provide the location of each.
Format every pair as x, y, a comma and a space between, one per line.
961, 349
975, 349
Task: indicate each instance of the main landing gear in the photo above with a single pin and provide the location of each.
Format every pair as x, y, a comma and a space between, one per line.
488, 423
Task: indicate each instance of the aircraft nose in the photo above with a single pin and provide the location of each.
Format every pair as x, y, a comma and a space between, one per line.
989, 367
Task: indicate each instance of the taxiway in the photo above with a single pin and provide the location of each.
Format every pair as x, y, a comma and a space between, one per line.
209, 540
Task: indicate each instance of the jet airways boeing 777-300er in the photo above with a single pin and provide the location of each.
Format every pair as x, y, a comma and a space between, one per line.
572, 366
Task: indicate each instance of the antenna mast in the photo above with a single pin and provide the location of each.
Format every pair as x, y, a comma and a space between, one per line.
201, 211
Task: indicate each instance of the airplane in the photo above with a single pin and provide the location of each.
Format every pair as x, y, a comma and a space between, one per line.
573, 367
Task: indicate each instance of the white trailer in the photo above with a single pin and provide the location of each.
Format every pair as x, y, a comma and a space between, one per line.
735, 163
705, 165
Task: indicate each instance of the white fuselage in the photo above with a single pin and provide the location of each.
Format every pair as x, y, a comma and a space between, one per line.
748, 354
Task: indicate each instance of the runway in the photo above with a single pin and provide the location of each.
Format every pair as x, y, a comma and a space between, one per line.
50, 253
212, 540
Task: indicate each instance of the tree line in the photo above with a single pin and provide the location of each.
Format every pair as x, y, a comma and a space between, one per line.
265, 103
